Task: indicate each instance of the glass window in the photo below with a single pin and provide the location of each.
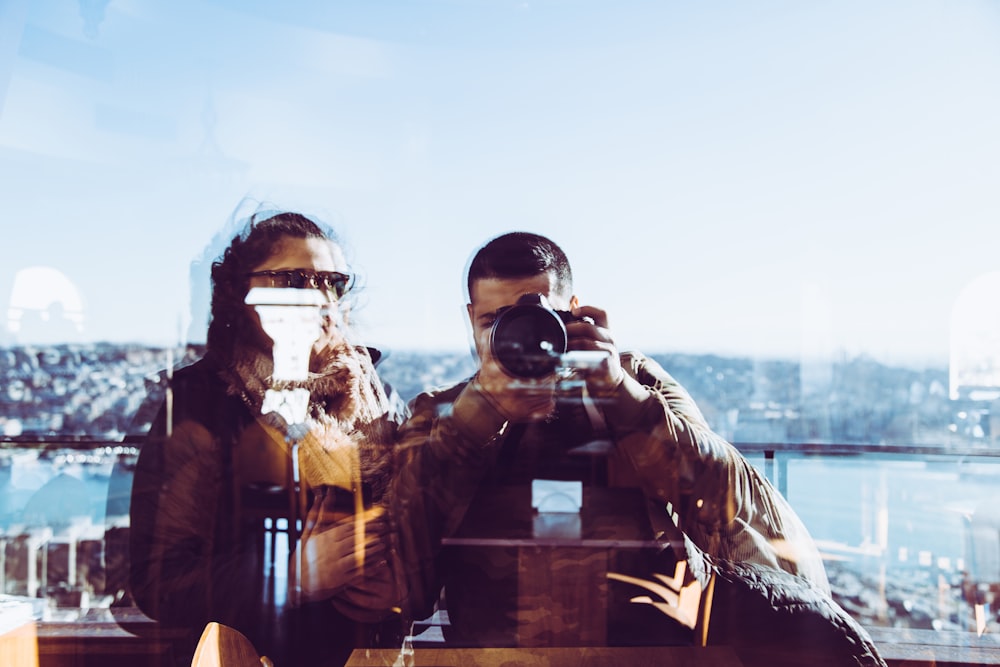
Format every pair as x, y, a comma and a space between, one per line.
791, 207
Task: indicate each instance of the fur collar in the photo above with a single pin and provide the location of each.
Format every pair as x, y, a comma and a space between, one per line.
348, 414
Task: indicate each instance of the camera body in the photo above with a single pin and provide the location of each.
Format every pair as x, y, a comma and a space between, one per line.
529, 339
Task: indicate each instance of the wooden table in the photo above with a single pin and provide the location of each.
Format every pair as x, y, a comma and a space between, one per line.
562, 559
118, 637
910, 647
668, 656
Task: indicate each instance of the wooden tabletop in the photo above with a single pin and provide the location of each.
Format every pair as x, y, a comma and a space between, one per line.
654, 656
503, 516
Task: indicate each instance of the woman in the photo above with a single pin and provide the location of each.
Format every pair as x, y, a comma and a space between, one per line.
219, 453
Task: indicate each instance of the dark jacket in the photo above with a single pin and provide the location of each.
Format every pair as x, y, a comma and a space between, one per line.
456, 443
773, 619
195, 555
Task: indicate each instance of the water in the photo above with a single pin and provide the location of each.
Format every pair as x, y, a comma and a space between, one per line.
903, 510
897, 507
901, 523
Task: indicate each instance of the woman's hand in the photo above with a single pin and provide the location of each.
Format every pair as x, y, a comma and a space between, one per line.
344, 554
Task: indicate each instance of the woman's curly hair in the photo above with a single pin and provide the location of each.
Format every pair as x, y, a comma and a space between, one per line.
230, 318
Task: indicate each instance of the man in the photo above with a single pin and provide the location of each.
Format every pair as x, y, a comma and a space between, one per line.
495, 431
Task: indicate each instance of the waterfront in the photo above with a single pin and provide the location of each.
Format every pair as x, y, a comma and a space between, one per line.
895, 533
894, 526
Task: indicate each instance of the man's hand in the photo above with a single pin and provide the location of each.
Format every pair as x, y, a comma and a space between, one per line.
592, 334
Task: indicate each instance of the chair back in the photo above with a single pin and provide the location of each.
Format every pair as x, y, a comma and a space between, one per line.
223, 646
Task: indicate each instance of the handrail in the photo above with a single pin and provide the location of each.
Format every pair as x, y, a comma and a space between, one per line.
900, 646
777, 454
807, 448
849, 449
75, 442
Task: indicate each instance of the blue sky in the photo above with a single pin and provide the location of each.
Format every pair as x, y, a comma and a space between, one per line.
767, 178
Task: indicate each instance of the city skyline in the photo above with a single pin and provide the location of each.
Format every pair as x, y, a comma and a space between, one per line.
793, 180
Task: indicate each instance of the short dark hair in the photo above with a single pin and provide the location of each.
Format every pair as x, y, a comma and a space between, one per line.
257, 241
521, 255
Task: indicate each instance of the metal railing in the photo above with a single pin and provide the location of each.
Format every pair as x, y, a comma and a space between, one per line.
897, 523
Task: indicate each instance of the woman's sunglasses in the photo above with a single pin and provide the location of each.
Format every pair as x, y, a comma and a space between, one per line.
328, 281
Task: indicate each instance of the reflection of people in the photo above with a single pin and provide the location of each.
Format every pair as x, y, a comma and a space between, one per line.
57, 503
493, 432
212, 458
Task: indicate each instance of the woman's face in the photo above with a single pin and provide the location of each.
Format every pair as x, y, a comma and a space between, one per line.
309, 254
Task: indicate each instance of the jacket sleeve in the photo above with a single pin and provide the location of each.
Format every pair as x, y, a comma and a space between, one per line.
170, 529
177, 573
721, 501
449, 442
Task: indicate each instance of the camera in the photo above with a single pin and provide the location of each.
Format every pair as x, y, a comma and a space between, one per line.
529, 338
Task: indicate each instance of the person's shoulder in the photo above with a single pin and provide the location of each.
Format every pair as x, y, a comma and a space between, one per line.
431, 398
430, 405
203, 371
201, 390
373, 353
444, 392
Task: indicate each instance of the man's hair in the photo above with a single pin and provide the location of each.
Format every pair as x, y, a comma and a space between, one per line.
521, 255
258, 240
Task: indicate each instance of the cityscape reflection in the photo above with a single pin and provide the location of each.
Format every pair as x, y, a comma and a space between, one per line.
907, 537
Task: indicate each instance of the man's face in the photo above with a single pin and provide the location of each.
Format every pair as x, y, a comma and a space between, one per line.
490, 295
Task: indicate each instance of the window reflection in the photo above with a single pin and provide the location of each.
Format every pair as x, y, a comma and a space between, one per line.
824, 211
45, 307
975, 343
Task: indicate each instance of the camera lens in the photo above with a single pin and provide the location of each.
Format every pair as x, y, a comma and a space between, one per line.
528, 338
